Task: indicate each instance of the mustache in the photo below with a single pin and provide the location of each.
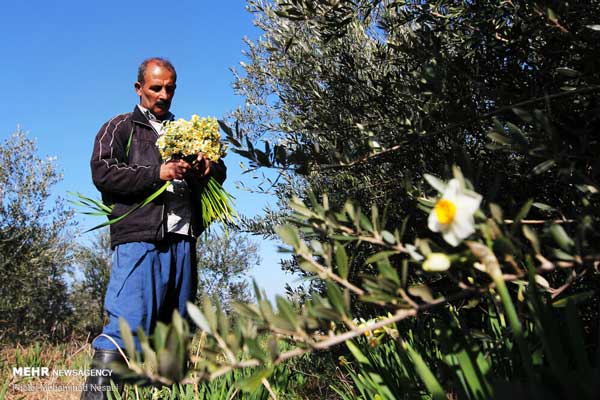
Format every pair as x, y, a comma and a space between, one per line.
163, 103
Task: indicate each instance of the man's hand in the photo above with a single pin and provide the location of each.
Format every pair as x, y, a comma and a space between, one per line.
202, 166
173, 169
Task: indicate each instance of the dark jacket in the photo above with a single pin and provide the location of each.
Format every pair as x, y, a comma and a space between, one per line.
126, 170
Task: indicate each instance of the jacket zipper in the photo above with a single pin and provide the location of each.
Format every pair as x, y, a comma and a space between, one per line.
162, 206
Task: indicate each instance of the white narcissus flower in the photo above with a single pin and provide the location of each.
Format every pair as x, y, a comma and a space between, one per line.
436, 262
453, 213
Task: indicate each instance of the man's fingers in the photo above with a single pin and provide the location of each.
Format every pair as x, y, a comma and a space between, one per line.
202, 165
180, 168
177, 169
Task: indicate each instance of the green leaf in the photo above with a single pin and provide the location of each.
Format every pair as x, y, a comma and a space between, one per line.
127, 337
388, 237
96, 214
289, 235
387, 271
262, 158
530, 234
85, 201
422, 292
198, 318
568, 72
365, 223
285, 309
473, 375
257, 292
137, 206
344, 238
431, 383
524, 115
256, 351
159, 336
336, 298
380, 256
251, 383
266, 309
177, 322
500, 138
575, 298
341, 260
496, 212
543, 207
225, 128
523, 211
273, 348
246, 310
516, 133
317, 247
498, 127
561, 237
150, 359
561, 255
168, 366
543, 167
209, 313
360, 357
308, 266
280, 154
298, 205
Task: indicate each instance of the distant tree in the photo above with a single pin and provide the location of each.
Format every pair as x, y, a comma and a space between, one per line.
223, 265
35, 244
93, 263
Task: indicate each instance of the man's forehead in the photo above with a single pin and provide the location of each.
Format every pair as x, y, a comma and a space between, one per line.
158, 72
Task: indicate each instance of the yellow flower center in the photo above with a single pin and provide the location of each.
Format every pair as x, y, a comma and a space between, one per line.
445, 210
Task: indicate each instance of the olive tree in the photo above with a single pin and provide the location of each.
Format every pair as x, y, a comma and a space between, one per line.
224, 263
439, 171
91, 276
35, 244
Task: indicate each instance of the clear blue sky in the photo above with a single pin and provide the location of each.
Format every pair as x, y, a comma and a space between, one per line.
68, 66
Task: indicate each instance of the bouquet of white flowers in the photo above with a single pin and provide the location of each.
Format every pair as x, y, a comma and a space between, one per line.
182, 140
186, 139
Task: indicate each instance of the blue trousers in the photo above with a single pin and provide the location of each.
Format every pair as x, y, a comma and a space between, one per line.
148, 281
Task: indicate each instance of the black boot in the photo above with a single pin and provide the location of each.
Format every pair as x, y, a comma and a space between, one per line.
97, 384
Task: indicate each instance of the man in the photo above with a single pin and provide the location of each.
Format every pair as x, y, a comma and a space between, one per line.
154, 265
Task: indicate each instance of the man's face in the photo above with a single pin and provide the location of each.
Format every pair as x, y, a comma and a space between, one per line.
158, 89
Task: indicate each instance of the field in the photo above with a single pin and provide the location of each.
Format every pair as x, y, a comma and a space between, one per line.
72, 358
58, 359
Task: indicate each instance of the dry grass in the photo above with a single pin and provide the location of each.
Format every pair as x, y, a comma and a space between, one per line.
71, 356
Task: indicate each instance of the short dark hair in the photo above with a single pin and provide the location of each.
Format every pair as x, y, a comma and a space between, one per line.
163, 62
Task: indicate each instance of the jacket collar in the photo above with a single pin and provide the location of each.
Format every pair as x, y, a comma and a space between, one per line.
139, 117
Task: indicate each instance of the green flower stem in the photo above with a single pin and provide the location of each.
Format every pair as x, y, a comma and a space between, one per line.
216, 204
137, 206
513, 320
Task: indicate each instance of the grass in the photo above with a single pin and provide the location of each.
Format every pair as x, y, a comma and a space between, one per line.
287, 383
68, 356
